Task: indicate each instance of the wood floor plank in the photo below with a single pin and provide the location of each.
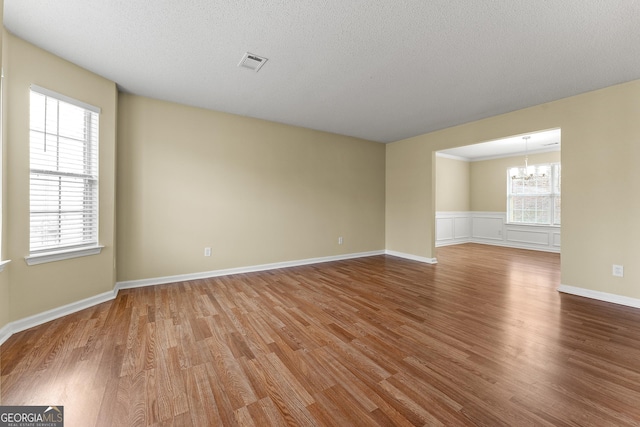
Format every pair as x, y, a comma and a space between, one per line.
482, 338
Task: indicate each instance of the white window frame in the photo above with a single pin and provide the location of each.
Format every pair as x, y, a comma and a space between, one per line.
553, 195
62, 245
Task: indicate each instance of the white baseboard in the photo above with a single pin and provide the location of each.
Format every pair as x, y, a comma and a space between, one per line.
453, 243
128, 284
514, 246
412, 257
600, 296
53, 314
5, 333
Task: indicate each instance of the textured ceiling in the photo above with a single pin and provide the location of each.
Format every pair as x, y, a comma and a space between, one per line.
382, 70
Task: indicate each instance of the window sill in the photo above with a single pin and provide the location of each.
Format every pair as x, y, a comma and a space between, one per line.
533, 225
3, 263
62, 255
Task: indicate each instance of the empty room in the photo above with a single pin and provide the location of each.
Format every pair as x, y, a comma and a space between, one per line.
320, 213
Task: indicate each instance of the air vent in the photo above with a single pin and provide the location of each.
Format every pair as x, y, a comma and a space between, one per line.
252, 62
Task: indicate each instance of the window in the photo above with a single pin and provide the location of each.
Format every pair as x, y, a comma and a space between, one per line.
63, 192
534, 197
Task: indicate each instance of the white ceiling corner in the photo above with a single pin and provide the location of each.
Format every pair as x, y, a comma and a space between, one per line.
383, 70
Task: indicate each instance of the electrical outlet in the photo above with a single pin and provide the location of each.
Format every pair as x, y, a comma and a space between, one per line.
618, 270
207, 251
340, 240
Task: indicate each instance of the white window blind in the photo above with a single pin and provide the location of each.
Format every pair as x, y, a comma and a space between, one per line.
533, 196
63, 193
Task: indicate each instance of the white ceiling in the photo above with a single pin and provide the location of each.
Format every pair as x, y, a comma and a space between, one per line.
537, 142
382, 70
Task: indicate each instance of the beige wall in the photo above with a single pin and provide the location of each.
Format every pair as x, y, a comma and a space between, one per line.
256, 192
42, 287
4, 276
480, 185
489, 180
409, 197
452, 185
600, 182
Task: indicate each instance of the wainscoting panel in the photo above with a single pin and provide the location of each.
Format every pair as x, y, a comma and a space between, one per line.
444, 229
491, 228
462, 228
453, 228
486, 227
528, 237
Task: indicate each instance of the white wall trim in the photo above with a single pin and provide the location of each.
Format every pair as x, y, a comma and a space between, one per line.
53, 314
3, 263
62, 255
128, 284
451, 156
5, 333
600, 296
412, 257
491, 228
453, 228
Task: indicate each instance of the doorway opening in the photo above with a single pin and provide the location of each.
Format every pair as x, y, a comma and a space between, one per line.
504, 192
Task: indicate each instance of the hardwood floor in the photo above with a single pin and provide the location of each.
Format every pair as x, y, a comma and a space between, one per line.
482, 338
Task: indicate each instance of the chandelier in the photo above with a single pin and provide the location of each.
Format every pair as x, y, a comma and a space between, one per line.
523, 172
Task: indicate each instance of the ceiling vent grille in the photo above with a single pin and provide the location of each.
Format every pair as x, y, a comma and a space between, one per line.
252, 62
